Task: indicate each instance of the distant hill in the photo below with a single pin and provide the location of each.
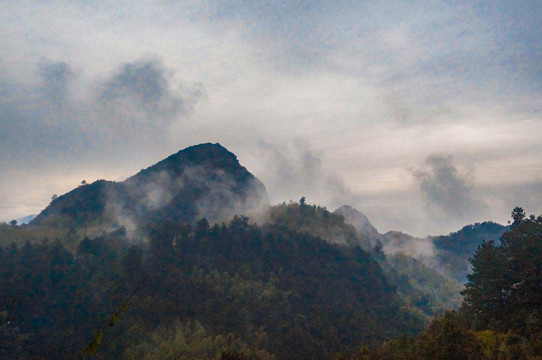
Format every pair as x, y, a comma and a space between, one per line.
200, 181
26, 219
465, 241
454, 250
447, 253
424, 290
430, 271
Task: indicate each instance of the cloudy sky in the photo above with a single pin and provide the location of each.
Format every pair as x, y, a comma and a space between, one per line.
424, 115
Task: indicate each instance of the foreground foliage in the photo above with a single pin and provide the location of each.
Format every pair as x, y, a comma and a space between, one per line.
452, 337
504, 291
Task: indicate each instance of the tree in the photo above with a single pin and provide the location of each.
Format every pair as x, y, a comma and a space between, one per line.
518, 214
202, 228
448, 338
504, 290
190, 340
485, 291
523, 248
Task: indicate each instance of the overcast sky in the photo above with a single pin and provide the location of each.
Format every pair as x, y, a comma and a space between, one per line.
423, 115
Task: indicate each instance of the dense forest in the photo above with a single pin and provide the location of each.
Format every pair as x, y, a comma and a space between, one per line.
241, 290
264, 291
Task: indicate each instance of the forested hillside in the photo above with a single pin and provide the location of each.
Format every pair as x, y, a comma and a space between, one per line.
501, 315
266, 290
454, 250
423, 290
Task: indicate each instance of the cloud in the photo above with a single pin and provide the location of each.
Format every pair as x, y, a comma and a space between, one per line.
295, 170
57, 116
146, 84
55, 78
422, 249
446, 190
138, 104
527, 194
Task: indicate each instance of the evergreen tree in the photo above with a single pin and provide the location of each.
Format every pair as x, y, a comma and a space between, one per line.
485, 292
504, 290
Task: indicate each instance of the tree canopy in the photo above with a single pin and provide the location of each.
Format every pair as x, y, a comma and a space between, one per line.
504, 290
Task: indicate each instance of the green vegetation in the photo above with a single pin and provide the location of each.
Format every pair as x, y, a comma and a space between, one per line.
298, 287
504, 291
317, 221
190, 340
308, 298
501, 316
454, 250
424, 291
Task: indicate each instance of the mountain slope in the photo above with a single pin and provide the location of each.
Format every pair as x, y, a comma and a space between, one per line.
428, 272
317, 221
311, 299
454, 250
200, 181
360, 222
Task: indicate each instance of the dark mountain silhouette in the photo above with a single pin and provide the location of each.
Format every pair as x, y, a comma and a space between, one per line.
200, 181
305, 285
454, 250
465, 241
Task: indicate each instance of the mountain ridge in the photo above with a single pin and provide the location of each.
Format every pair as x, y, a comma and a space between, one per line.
204, 180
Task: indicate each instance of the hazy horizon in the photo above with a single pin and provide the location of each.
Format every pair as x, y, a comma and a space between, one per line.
425, 116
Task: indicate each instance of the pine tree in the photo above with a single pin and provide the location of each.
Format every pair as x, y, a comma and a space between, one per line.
486, 290
504, 290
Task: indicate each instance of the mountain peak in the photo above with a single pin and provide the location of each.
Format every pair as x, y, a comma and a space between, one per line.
204, 180
207, 154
